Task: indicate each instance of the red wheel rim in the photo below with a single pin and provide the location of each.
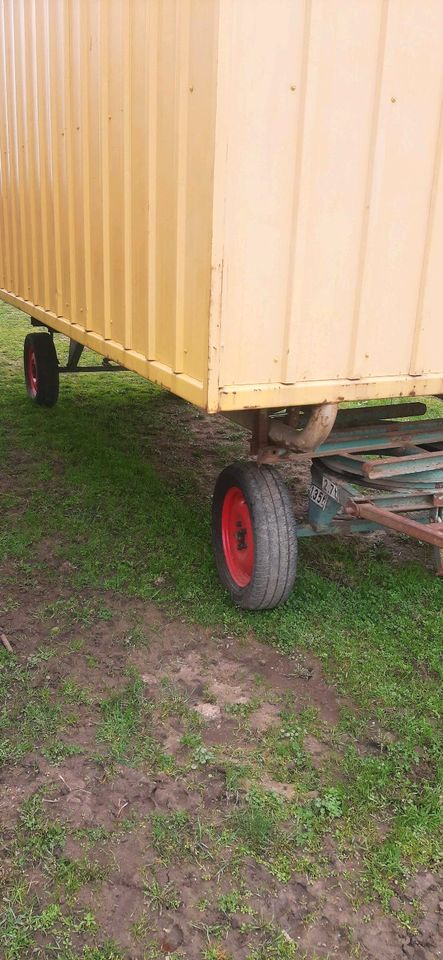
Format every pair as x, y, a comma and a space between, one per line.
237, 536
31, 372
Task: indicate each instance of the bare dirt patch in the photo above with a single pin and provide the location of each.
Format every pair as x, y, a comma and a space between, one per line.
212, 704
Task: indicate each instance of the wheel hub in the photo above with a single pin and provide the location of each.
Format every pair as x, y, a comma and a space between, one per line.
237, 535
32, 372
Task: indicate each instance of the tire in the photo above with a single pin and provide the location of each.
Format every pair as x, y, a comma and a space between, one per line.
254, 536
41, 369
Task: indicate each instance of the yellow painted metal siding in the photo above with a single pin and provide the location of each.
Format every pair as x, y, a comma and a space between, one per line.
331, 188
240, 199
107, 128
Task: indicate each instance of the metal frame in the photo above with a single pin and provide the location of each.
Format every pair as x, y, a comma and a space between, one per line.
379, 476
375, 470
371, 468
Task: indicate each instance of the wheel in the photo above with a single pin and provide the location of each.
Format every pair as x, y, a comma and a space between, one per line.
41, 368
254, 536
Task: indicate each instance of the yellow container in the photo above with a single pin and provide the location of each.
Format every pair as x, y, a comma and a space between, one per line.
239, 199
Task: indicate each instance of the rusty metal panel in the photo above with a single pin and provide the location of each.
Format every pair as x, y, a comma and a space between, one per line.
240, 200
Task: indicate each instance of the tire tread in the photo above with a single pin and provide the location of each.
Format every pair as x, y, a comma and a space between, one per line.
275, 536
47, 368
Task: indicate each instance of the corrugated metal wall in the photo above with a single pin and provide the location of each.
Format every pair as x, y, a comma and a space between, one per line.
302, 139
332, 194
107, 113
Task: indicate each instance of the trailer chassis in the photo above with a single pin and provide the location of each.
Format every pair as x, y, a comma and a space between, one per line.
372, 469
74, 354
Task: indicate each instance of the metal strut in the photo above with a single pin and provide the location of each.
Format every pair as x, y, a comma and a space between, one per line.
426, 532
74, 354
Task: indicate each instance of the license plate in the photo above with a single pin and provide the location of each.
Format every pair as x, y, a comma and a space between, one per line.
318, 497
330, 488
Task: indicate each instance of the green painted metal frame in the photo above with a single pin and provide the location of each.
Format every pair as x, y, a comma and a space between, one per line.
394, 467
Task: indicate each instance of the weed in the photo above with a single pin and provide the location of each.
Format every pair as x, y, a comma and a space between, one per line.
136, 638
230, 902
277, 945
161, 896
192, 739
216, 953
203, 905
243, 710
76, 644
329, 804
170, 834
201, 757
235, 774
173, 704
213, 932
58, 751
41, 655
76, 610
73, 693
107, 951
175, 837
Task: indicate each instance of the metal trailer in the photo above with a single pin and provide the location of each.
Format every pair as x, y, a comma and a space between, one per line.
242, 201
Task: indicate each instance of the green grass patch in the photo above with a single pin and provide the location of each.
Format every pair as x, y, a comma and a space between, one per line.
24, 924
31, 717
126, 728
130, 513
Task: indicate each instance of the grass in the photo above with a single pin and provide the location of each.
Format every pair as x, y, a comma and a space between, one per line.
30, 717
170, 835
125, 728
22, 922
178, 837
39, 842
122, 714
107, 485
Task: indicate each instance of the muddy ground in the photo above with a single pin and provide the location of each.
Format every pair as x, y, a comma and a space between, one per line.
230, 693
